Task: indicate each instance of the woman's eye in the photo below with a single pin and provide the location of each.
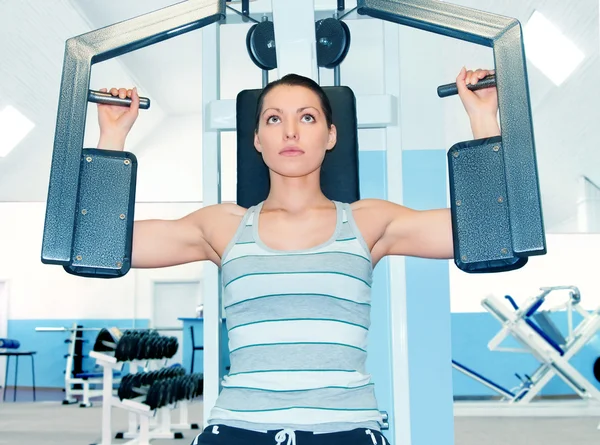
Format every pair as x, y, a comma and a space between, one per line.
273, 120
308, 118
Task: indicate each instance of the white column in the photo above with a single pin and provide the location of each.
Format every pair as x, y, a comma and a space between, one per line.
397, 273
588, 206
294, 23
211, 194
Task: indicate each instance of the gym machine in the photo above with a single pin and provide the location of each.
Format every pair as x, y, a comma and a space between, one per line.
496, 226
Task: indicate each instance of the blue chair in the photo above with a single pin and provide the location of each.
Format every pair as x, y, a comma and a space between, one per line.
9, 348
194, 349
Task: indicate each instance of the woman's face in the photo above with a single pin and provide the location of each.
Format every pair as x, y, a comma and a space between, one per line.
292, 135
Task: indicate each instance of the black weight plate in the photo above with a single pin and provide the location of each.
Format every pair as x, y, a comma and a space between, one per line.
121, 351
171, 347
332, 42
155, 348
141, 345
153, 397
133, 347
260, 43
190, 390
347, 43
200, 385
148, 347
122, 392
162, 348
596, 369
137, 380
109, 336
165, 393
182, 387
174, 390
153, 376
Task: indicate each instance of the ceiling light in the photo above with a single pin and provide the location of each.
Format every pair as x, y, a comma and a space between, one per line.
549, 50
13, 129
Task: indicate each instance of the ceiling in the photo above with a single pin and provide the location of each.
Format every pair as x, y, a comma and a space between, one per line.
33, 33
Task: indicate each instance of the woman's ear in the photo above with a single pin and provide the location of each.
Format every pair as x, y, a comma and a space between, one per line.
257, 144
332, 137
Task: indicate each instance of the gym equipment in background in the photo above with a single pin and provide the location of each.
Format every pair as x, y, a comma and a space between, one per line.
150, 390
135, 344
161, 388
533, 328
78, 381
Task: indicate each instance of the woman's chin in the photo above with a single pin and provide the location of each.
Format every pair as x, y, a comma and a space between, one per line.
294, 171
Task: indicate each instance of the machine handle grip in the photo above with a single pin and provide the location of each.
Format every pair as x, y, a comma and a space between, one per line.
99, 97
451, 89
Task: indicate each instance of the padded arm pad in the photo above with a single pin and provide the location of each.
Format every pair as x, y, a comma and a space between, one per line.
481, 224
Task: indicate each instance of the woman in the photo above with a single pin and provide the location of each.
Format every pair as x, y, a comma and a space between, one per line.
297, 272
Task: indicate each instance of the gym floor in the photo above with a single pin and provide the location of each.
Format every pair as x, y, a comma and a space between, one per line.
47, 422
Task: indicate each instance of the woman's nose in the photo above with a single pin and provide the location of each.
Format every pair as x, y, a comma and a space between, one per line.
291, 130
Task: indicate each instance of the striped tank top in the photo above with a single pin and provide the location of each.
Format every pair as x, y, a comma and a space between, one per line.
297, 324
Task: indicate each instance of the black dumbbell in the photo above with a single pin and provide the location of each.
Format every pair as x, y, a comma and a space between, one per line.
173, 345
199, 388
107, 340
162, 348
140, 348
121, 351
153, 396
123, 391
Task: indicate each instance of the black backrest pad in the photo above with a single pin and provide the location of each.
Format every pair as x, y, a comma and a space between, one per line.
339, 173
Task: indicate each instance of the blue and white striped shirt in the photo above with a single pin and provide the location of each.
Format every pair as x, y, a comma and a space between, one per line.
298, 323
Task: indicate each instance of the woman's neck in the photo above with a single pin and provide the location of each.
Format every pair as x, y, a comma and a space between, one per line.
295, 195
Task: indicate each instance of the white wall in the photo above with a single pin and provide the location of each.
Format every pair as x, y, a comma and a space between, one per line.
47, 292
572, 260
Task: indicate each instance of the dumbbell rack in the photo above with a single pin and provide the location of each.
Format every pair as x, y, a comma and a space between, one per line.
139, 431
164, 426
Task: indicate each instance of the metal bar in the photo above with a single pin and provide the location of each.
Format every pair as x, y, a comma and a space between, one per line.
80, 53
402, 420
211, 194
441, 18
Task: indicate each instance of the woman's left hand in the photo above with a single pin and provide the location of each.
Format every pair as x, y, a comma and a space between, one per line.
481, 105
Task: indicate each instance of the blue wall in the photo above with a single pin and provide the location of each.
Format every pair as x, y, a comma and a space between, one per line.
373, 179
428, 305
51, 348
428, 309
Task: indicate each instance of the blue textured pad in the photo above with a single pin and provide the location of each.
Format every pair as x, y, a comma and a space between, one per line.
104, 215
7, 343
478, 201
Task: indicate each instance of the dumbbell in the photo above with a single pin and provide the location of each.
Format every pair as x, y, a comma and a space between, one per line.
159, 394
144, 344
172, 346
131, 386
198, 384
107, 340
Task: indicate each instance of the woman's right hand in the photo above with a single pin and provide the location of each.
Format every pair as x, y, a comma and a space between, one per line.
116, 121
